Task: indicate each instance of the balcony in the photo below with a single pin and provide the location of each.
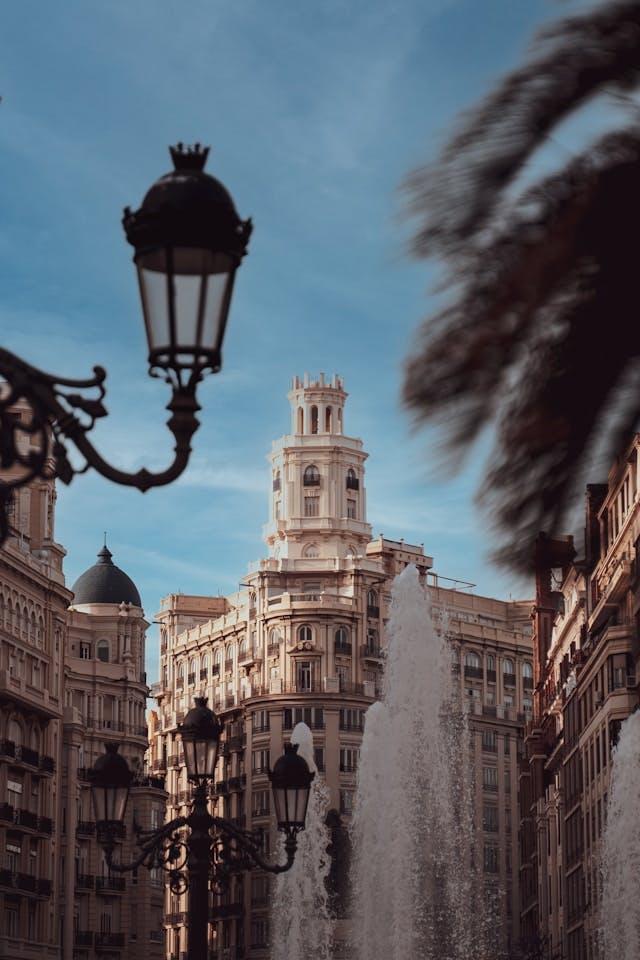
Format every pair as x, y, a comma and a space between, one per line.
7, 812
83, 938
191, 679
373, 612
237, 783
25, 818
110, 884
509, 679
228, 666
491, 676
370, 652
221, 910
28, 756
104, 941
353, 483
473, 673
86, 828
343, 647
273, 649
159, 766
7, 748
84, 881
47, 765
173, 760
204, 674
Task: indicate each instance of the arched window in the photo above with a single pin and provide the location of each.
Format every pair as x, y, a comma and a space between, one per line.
276, 480
311, 551
274, 635
229, 656
314, 419
204, 669
471, 659
300, 420
339, 420
342, 640
352, 480
193, 668
217, 663
328, 420
102, 650
508, 672
243, 649
491, 662
373, 609
305, 634
527, 671
311, 476
15, 732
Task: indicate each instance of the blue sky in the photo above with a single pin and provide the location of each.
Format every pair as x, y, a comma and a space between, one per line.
315, 111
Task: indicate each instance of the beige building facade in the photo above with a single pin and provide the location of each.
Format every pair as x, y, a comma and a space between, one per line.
71, 679
303, 640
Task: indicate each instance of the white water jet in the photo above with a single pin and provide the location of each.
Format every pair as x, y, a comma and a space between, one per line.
416, 893
620, 905
301, 920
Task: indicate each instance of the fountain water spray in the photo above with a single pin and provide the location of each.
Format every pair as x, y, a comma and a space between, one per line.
301, 920
620, 905
416, 891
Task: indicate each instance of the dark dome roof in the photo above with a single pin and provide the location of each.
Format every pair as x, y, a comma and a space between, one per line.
105, 583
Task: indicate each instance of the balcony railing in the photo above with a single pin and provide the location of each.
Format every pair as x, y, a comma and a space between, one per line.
86, 827
373, 611
228, 666
110, 884
371, 652
106, 940
26, 755
47, 764
191, 679
204, 673
83, 938
84, 881
475, 673
343, 647
509, 679
7, 748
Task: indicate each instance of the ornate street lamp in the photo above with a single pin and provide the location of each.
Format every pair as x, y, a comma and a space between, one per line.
215, 848
188, 242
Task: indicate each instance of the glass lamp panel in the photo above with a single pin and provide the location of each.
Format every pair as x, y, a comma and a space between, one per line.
152, 278
119, 803
279, 803
98, 795
202, 281
190, 758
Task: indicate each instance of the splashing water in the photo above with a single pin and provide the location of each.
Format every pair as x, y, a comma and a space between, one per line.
620, 907
415, 891
301, 920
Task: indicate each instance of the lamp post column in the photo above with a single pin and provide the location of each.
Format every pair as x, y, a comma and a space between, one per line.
198, 871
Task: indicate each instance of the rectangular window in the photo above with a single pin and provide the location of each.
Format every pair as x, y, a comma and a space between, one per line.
85, 651
346, 801
260, 932
351, 509
490, 778
304, 675
352, 719
312, 716
312, 506
348, 759
489, 740
260, 761
490, 858
260, 721
260, 803
490, 819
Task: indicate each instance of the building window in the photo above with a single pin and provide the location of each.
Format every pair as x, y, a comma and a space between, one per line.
352, 719
508, 673
11, 920
490, 779
351, 510
311, 477
373, 642
102, 651
305, 634
490, 858
373, 607
314, 419
312, 716
348, 759
346, 802
276, 480
260, 721
490, 818
342, 641
261, 803
352, 481
304, 675
260, 761
85, 651
312, 506
260, 932
318, 756
490, 740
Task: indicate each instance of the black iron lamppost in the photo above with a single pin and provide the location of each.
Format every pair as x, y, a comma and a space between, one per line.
215, 848
188, 242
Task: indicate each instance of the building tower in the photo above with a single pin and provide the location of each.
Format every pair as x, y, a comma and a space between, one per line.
107, 914
303, 641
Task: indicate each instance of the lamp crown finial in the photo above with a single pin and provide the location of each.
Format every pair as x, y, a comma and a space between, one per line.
189, 158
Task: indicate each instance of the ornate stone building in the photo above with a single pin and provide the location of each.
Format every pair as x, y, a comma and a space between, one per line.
303, 639
587, 650
71, 678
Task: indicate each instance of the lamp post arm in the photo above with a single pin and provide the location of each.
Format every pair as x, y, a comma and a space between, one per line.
247, 842
26, 450
171, 857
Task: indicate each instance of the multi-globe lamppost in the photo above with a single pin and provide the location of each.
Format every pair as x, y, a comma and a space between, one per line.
215, 848
188, 242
